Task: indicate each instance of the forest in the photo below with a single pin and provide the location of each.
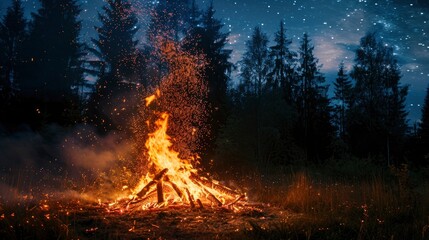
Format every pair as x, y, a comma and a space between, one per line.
47, 77
270, 116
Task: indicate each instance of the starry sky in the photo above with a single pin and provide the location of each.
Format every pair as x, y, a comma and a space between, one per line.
335, 27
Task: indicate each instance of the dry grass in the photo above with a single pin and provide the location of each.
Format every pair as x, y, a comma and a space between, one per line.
323, 204
383, 205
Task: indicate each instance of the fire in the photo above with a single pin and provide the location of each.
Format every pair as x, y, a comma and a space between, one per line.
176, 179
172, 177
150, 99
162, 156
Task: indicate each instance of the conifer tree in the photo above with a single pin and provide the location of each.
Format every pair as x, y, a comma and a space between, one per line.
206, 36
342, 96
12, 36
115, 46
284, 64
255, 68
116, 65
424, 128
170, 20
256, 63
314, 125
379, 118
53, 61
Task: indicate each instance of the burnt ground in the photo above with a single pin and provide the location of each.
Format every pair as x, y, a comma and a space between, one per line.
74, 220
185, 223
65, 218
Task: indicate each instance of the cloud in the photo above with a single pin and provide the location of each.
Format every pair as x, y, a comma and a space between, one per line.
331, 53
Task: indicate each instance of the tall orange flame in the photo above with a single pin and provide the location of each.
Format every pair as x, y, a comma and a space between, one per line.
182, 181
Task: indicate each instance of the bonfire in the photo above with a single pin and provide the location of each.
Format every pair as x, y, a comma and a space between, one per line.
175, 181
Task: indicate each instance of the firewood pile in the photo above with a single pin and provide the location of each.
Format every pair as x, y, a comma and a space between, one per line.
153, 195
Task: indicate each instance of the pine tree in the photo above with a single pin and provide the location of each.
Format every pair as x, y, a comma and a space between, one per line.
206, 37
424, 128
115, 46
379, 117
118, 61
12, 35
256, 63
255, 68
396, 115
342, 96
169, 20
309, 78
314, 126
367, 73
284, 64
53, 55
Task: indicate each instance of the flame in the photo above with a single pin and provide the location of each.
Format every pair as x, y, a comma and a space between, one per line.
172, 177
150, 99
161, 155
177, 177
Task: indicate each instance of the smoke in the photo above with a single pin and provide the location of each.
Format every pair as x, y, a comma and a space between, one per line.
54, 144
95, 156
56, 159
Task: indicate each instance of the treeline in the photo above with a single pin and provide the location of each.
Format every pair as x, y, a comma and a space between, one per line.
286, 94
279, 112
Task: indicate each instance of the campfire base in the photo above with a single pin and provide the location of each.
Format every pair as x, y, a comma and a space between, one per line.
144, 198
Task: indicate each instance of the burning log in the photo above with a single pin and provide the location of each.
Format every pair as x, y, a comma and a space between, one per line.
200, 204
132, 203
191, 201
159, 192
160, 174
154, 181
174, 186
206, 182
236, 200
213, 198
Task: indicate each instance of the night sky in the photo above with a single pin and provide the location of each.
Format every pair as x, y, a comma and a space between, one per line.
335, 26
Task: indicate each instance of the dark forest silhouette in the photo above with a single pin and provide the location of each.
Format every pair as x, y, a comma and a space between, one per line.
279, 113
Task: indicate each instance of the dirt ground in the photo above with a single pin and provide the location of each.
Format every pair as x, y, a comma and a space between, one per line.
73, 220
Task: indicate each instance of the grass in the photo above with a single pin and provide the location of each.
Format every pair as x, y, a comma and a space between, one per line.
379, 204
347, 200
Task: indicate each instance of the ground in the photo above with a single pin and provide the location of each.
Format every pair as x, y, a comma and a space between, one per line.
77, 220
307, 204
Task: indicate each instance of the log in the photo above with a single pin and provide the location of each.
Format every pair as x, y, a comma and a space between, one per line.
134, 201
154, 181
160, 174
146, 189
174, 186
160, 192
200, 204
191, 202
206, 182
213, 198
236, 200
